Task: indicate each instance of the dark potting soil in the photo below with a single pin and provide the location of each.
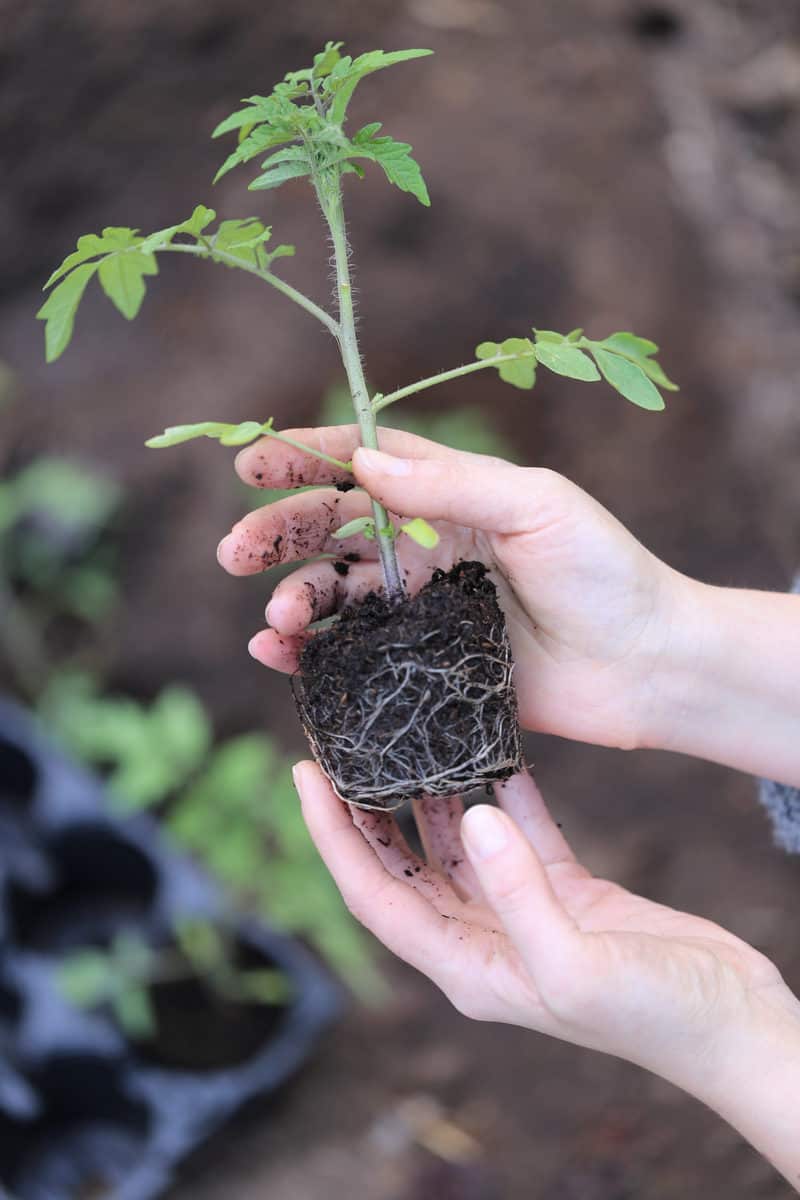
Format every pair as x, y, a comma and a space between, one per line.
406, 698
197, 1028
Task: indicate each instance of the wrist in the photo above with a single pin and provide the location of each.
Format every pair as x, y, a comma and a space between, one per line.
677, 676
754, 1084
724, 685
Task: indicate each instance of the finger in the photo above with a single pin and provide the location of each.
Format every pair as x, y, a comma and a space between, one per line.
517, 888
521, 799
278, 651
318, 590
383, 834
469, 489
269, 463
294, 528
398, 915
439, 824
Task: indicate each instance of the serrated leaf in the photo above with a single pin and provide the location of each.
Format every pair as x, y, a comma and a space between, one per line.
241, 239
367, 132
259, 108
363, 525
567, 360
121, 277
193, 225
279, 175
58, 310
347, 74
261, 139
288, 154
421, 532
326, 60
399, 167
89, 246
628, 378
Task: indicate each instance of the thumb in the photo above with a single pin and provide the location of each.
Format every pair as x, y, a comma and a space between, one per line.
470, 489
517, 888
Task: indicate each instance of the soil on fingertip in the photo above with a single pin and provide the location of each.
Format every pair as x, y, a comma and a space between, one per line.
400, 699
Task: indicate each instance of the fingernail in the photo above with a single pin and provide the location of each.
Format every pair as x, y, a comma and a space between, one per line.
375, 460
219, 548
251, 646
297, 773
483, 829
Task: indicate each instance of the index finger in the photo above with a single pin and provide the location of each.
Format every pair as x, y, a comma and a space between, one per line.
269, 463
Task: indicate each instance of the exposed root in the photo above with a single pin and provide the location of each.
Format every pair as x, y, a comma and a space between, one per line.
416, 698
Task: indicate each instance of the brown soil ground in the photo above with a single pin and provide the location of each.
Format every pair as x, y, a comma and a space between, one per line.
636, 162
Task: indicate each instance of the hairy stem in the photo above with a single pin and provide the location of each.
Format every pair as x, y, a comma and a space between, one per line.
329, 192
275, 281
497, 360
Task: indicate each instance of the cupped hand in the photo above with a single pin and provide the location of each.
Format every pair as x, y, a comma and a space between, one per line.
513, 929
591, 613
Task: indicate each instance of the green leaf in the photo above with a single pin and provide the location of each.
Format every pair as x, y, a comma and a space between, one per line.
347, 74
363, 525
122, 279
261, 138
86, 977
279, 175
628, 378
566, 360
630, 345
547, 335
422, 533
641, 351
399, 167
521, 372
265, 985
326, 60
135, 1014
58, 310
228, 435
193, 225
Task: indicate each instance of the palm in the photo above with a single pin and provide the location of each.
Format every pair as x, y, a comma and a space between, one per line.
644, 967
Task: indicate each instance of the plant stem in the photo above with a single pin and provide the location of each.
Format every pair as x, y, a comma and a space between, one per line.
383, 401
329, 192
273, 280
328, 458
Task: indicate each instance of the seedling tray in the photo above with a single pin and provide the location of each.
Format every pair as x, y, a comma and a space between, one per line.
84, 1110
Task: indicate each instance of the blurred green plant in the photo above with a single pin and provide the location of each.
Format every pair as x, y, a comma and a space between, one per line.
56, 559
232, 806
122, 977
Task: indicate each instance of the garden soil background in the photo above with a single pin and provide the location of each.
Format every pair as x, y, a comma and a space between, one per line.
590, 161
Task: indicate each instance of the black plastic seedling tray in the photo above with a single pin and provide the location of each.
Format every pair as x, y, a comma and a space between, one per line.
83, 1110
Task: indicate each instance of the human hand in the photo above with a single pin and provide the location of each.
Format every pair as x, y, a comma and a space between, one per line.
513, 929
590, 611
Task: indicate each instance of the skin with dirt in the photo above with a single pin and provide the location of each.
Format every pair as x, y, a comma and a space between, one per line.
401, 700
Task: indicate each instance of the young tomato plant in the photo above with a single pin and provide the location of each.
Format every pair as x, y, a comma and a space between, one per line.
406, 695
